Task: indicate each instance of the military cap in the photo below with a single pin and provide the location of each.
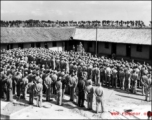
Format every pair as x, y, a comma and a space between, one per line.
34, 72
99, 84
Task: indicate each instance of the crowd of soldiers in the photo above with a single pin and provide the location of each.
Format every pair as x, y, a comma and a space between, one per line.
39, 71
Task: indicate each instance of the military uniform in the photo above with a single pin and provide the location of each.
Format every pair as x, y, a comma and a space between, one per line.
114, 77
147, 83
127, 79
54, 79
89, 92
23, 86
38, 88
108, 73
134, 78
81, 93
95, 74
99, 98
18, 79
122, 78
59, 91
73, 80
48, 83
30, 90
9, 88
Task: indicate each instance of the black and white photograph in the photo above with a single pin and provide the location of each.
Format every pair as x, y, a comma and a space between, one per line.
76, 60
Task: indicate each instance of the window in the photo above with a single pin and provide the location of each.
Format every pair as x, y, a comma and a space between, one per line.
54, 44
90, 44
139, 48
107, 45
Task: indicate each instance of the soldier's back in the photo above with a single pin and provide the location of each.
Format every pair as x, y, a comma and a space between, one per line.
48, 80
99, 91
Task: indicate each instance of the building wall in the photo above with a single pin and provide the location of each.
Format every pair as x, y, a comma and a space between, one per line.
92, 49
27, 45
49, 44
3, 46
42, 45
15, 45
121, 49
143, 55
86, 47
102, 49
60, 46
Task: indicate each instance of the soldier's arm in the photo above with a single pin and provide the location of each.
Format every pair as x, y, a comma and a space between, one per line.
45, 84
15, 81
93, 91
26, 87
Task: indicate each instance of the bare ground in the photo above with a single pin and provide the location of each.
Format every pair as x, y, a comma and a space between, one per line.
115, 101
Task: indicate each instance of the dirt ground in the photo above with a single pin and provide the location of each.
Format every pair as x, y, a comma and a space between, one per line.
116, 102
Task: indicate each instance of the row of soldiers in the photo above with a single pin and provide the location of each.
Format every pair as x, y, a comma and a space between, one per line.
39, 71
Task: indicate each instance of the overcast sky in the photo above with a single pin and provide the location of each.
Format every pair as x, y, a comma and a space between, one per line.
76, 10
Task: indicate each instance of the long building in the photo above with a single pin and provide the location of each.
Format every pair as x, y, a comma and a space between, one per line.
124, 43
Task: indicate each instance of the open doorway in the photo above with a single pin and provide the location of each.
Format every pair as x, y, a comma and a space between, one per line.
46, 45
113, 49
128, 50
38, 45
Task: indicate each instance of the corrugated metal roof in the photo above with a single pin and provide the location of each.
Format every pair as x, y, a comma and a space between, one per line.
22, 35
131, 36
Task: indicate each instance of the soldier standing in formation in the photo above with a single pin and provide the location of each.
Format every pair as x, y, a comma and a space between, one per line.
90, 93
43, 70
99, 98
81, 91
59, 90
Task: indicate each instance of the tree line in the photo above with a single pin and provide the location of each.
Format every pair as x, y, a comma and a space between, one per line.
81, 24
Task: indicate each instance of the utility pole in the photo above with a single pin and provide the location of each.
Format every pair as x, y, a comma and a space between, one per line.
96, 39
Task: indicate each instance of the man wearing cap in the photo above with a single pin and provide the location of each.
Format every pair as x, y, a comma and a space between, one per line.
38, 89
30, 87
54, 79
72, 82
9, 87
24, 84
79, 70
147, 83
58, 87
62, 64
96, 74
114, 77
89, 92
81, 92
18, 79
127, 78
99, 98
143, 72
48, 83
90, 71
64, 82
53, 64
108, 73
57, 62
134, 78
122, 78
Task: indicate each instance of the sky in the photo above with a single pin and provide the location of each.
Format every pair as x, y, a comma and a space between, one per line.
76, 10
